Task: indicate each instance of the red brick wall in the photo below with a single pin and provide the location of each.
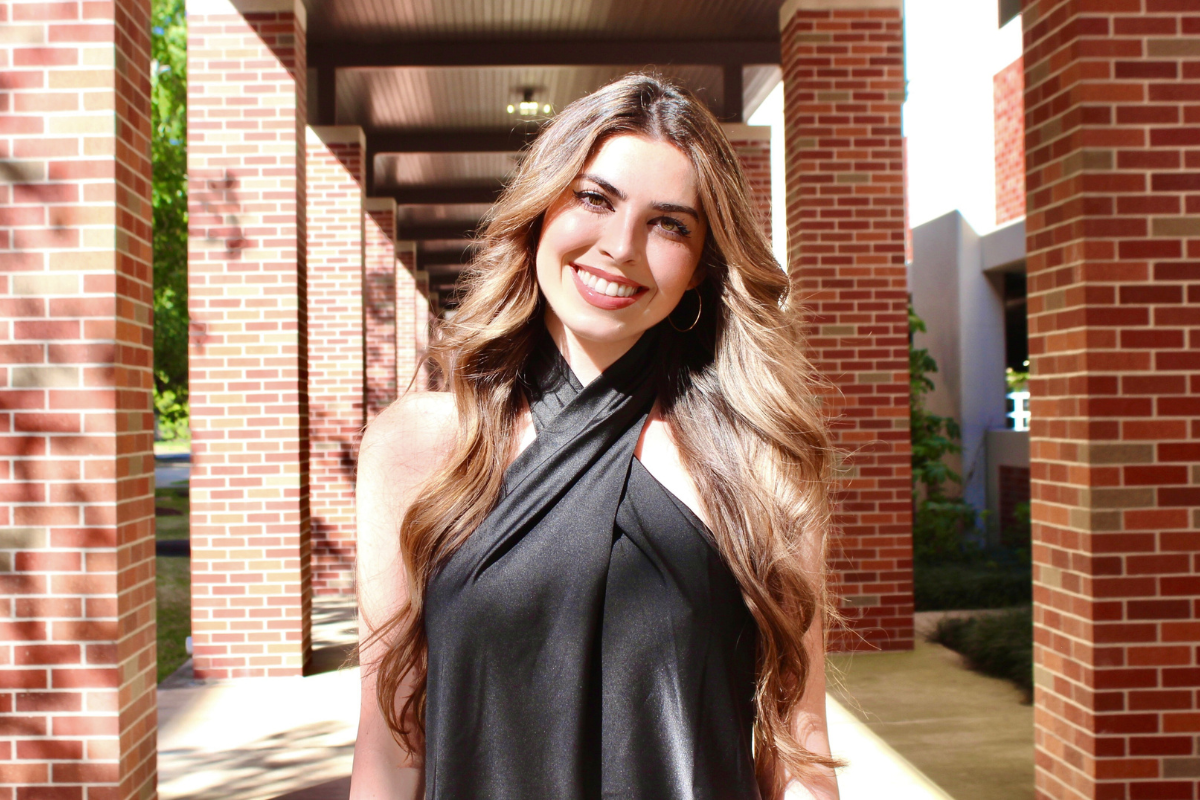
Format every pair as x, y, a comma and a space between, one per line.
336, 354
1113, 179
1009, 101
1014, 490
843, 72
752, 143
77, 637
407, 315
380, 296
250, 527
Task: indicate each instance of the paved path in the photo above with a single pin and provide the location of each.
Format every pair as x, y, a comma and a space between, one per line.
293, 738
172, 470
971, 734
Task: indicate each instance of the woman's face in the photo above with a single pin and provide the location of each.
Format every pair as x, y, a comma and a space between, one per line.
620, 247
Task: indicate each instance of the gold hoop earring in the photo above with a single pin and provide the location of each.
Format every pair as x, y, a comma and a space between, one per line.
699, 309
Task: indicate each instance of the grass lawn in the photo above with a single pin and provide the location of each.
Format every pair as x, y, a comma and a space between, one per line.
173, 582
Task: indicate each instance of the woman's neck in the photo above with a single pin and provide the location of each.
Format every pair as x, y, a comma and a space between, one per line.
586, 358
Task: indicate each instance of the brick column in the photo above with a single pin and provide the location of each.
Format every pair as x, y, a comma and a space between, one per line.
752, 143
380, 293
77, 639
843, 72
407, 297
1113, 180
336, 346
422, 319
251, 590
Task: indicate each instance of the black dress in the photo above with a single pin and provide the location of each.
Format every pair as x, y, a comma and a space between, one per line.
588, 641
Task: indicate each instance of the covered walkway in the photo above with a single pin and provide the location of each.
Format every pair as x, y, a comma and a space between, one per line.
338, 154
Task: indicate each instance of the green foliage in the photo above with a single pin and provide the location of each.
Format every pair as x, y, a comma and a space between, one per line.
941, 519
168, 95
1016, 381
1000, 645
170, 414
986, 583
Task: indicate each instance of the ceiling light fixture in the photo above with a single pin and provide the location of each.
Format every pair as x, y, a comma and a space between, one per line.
528, 107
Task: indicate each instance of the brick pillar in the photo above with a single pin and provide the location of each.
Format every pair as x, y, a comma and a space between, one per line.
251, 585
407, 315
380, 293
336, 346
1008, 92
843, 72
752, 143
77, 640
1113, 180
422, 319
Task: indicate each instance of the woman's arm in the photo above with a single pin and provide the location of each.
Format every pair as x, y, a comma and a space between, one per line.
399, 451
809, 724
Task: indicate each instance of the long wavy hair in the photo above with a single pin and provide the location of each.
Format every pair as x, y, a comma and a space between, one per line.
737, 391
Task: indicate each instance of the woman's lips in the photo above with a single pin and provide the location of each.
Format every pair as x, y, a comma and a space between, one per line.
598, 298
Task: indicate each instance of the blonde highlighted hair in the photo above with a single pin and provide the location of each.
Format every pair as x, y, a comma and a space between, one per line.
737, 391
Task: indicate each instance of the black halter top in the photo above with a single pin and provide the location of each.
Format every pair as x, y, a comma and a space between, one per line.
588, 641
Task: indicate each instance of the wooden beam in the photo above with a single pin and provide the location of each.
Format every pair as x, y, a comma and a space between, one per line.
439, 260
450, 141
416, 233
446, 195
734, 94
348, 54
326, 110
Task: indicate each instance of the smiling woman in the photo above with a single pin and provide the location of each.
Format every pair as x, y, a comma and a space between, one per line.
595, 567
619, 248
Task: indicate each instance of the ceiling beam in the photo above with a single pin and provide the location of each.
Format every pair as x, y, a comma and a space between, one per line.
450, 141
417, 233
446, 195
734, 94
438, 259
347, 54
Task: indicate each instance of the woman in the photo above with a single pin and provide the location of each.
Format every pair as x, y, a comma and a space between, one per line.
594, 567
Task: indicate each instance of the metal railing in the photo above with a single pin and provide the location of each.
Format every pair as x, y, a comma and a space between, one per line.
1019, 410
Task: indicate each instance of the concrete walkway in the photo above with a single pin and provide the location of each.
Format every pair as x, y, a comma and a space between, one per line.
971, 734
293, 738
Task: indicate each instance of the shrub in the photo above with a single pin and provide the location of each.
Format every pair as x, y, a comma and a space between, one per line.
946, 587
1000, 645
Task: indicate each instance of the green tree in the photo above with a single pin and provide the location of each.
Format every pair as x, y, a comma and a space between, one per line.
940, 517
168, 95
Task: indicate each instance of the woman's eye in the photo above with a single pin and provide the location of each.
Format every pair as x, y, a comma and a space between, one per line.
673, 226
592, 199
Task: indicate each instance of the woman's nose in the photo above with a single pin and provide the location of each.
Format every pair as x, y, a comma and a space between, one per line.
621, 238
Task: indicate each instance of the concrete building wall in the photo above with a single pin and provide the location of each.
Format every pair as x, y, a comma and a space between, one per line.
963, 309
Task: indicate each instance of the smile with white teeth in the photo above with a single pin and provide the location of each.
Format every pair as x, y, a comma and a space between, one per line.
601, 286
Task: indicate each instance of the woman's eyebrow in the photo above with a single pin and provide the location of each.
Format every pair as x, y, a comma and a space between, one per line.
605, 185
668, 208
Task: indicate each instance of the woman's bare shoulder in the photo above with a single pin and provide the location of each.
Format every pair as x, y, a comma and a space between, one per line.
409, 437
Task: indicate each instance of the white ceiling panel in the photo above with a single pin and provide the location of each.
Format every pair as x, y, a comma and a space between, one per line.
471, 98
